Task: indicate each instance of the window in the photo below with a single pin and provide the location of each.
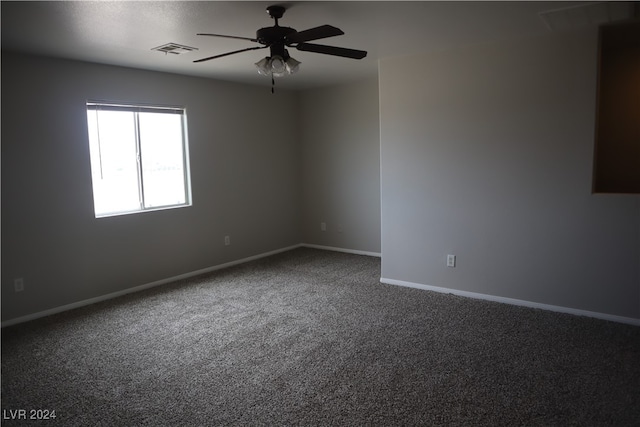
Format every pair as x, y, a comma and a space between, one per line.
139, 158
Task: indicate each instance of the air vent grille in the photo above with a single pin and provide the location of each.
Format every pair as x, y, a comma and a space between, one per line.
174, 48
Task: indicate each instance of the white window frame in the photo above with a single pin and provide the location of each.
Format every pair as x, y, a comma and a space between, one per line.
136, 109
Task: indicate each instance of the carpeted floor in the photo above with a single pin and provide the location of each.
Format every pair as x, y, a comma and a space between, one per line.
311, 337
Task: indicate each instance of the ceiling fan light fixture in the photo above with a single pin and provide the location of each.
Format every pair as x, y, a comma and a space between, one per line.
263, 66
276, 66
292, 65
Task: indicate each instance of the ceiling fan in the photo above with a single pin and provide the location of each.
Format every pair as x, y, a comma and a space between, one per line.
278, 39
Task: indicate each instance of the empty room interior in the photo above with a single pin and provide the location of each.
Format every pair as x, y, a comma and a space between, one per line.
429, 215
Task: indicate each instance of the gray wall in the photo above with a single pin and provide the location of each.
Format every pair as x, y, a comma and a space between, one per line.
245, 182
340, 151
486, 153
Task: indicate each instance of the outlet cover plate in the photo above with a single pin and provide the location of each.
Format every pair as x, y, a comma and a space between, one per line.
451, 260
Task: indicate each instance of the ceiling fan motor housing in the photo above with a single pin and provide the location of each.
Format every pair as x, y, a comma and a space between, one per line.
271, 35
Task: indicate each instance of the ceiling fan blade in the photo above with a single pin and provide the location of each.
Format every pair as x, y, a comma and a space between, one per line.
230, 53
315, 33
227, 37
332, 50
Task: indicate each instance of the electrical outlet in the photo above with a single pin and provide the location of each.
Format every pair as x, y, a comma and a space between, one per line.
451, 260
18, 284
227, 240
323, 226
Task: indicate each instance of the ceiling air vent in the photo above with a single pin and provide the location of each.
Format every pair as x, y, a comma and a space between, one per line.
174, 48
589, 14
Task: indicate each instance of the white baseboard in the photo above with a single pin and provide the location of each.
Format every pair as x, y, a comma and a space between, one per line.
112, 295
348, 251
512, 301
60, 309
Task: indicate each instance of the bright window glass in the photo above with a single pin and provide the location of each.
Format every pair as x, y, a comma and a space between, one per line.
138, 158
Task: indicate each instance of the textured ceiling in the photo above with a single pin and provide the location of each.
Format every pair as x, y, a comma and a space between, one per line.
124, 32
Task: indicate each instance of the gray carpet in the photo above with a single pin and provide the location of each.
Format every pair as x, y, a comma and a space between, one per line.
311, 337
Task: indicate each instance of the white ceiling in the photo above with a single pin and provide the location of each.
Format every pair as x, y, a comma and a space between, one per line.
124, 32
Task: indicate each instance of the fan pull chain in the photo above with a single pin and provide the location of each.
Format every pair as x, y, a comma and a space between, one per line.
273, 84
